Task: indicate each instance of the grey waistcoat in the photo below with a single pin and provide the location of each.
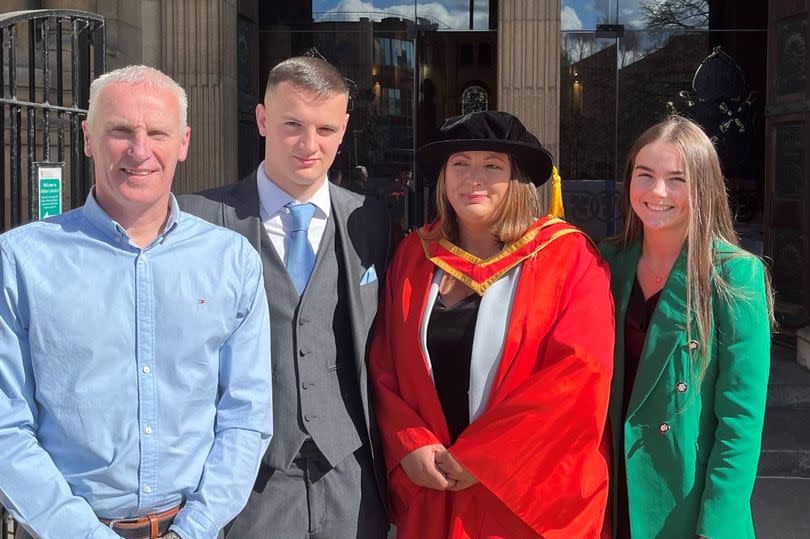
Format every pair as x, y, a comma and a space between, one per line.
315, 393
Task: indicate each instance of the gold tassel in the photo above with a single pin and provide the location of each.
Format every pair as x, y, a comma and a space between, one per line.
555, 206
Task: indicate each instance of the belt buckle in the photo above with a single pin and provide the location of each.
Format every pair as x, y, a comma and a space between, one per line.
147, 526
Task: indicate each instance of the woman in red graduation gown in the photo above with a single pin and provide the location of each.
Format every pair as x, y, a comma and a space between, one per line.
492, 355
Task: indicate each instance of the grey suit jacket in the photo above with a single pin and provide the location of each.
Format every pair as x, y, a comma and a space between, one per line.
363, 227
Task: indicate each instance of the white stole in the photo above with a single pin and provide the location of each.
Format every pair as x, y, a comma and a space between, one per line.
490, 333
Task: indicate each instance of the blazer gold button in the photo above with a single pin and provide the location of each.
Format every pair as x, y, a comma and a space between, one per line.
681, 387
663, 428
693, 344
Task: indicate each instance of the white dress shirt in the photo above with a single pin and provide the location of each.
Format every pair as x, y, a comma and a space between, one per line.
276, 216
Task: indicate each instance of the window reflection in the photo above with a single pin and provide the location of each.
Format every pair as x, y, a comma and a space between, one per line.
586, 14
446, 14
455, 14
393, 52
661, 14
636, 14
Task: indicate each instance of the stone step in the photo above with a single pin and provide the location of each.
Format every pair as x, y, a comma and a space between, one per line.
789, 384
786, 443
781, 508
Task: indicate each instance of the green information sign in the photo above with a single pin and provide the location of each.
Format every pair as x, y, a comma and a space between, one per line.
49, 190
50, 197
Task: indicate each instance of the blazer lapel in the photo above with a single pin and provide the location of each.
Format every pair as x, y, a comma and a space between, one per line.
666, 330
623, 272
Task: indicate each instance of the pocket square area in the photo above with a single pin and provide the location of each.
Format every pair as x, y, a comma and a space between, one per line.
369, 276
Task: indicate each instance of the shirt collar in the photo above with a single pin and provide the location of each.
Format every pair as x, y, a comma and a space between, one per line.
96, 215
272, 197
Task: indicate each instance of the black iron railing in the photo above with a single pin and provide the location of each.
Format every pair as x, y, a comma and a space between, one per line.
47, 60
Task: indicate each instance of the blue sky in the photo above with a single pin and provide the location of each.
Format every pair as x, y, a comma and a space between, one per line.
586, 14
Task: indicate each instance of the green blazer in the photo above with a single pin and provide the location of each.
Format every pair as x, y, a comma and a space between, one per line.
691, 445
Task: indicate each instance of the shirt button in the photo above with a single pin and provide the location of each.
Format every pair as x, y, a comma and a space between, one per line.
147, 369
307, 418
663, 428
681, 387
147, 429
303, 352
147, 489
303, 321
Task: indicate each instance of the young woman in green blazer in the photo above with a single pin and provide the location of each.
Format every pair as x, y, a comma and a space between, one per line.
687, 399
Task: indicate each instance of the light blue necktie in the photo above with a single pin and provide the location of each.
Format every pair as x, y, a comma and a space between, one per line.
300, 256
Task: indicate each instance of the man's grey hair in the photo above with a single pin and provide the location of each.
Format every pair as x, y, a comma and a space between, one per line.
308, 73
138, 74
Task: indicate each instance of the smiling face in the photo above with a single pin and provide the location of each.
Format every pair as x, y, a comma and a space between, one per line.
659, 193
476, 183
303, 133
136, 140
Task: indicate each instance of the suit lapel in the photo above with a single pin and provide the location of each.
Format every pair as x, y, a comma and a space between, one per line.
245, 218
354, 271
346, 243
664, 334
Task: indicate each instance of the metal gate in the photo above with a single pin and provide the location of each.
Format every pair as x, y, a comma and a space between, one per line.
47, 60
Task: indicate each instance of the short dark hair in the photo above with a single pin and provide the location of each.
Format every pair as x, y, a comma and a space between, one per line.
308, 73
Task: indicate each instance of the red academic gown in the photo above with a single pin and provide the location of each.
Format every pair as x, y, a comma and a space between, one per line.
538, 449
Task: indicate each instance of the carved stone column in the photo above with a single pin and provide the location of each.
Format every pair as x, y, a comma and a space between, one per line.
529, 68
199, 51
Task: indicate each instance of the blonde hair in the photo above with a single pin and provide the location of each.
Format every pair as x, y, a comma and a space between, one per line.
520, 208
134, 75
709, 220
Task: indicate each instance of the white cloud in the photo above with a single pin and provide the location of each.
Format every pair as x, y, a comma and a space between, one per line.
452, 18
569, 19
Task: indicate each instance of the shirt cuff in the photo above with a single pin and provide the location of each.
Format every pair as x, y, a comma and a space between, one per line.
103, 532
192, 523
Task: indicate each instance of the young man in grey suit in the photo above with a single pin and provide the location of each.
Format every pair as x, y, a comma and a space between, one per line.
324, 250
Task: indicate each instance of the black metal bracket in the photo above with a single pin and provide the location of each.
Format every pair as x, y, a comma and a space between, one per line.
609, 31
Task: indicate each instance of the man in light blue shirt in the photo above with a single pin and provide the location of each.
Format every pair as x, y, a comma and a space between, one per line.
134, 343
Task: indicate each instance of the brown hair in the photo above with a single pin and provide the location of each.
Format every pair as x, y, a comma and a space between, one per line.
710, 220
308, 73
521, 207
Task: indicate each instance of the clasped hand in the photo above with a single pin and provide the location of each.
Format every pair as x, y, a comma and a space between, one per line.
433, 466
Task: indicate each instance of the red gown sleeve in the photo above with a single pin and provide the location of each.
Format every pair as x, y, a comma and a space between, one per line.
397, 373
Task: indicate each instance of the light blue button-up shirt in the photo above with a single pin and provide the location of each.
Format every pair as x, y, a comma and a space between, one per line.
131, 379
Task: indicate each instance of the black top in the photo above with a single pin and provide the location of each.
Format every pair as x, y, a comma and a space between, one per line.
449, 342
636, 322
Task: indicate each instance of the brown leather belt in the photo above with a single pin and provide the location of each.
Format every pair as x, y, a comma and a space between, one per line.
147, 527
